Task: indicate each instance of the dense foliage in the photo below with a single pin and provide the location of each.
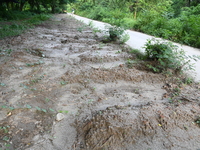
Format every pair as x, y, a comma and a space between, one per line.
18, 15
37, 6
176, 20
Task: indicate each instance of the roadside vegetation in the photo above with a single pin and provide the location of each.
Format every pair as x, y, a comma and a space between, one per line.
15, 26
164, 57
18, 15
175, 20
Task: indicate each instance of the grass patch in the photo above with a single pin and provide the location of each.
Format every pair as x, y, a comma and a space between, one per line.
17, 26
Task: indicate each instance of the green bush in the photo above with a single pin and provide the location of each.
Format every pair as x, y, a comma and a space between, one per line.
154, 19
98, 13
191, 31
115, 32
165, 55
185, 29
15, 15
85, 6
128, 23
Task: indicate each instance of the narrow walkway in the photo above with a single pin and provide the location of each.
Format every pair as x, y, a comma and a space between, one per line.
137, 40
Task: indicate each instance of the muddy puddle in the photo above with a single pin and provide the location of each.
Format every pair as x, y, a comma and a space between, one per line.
62, 88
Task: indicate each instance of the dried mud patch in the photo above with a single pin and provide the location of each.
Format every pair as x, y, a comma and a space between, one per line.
101, 75
21, 125
136, 127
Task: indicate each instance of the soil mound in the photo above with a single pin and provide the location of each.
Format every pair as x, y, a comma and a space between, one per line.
149, 126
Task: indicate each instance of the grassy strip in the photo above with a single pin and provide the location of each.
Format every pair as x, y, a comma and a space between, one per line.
19, 25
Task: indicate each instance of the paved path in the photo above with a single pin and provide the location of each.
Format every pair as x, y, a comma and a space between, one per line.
137, 41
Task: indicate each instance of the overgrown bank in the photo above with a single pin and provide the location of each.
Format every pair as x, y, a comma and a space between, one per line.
177, 21
18, 15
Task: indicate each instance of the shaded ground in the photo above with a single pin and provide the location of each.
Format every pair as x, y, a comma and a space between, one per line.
61, 68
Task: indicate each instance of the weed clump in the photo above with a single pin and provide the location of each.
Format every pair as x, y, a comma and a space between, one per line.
115, 33
164, 56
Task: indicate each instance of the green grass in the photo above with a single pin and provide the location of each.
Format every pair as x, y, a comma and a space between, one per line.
20, 24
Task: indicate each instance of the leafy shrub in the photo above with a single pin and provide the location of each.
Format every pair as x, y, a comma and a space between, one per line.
85, 6
124, 38
191, 31
98, 13
113, 21
165, 55
15, 15
114, 32
128, 23
184, 29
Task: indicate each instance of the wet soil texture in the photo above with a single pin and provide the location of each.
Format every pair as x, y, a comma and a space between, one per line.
62, 88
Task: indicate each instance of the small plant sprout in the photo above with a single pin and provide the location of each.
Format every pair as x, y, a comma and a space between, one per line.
28, 106
80, 29
63, 82
63, 111
51, 109
34, 64
90, 101
198, 121
96, 30
91, 24
5, 52
2, 84
47, 99
5, 129
118, 52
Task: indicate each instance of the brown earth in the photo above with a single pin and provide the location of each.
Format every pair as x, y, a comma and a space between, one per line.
61, 68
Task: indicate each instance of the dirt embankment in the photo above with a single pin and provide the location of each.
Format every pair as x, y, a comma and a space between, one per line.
62, 88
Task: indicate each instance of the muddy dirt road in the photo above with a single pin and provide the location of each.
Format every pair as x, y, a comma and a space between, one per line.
62, 88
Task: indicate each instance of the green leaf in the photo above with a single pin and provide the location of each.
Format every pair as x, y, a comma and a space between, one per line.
44, 110
64, 111
51, 109
38, 108
2, 84
47, 99
28, 106
5, 138
11, 108
63, 82
4, 106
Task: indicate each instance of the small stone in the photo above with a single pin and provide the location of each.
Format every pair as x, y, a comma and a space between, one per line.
76, 37
64, 41
36, 138
59, 117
